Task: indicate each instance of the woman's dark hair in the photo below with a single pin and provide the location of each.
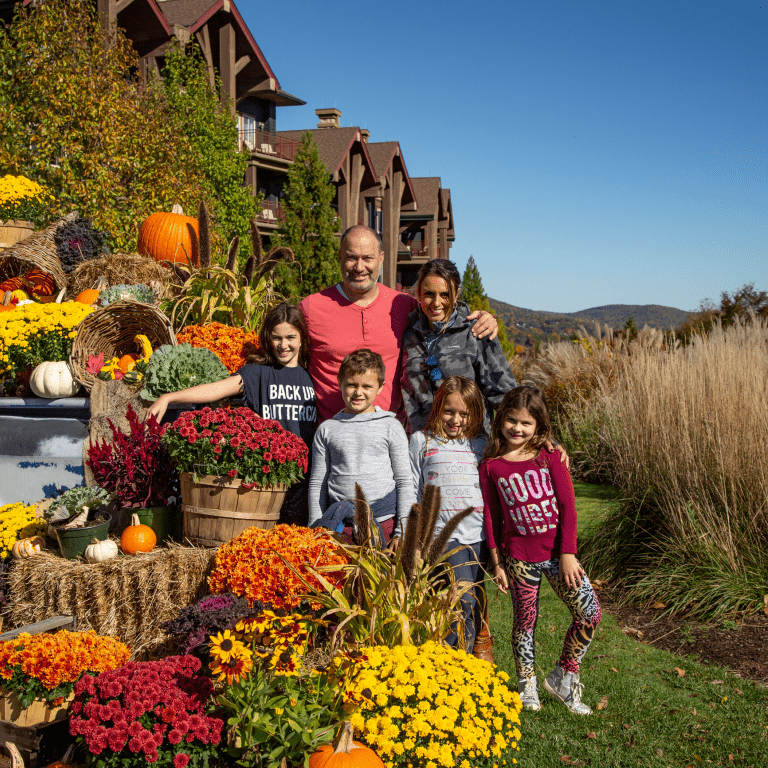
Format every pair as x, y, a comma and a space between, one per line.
448, 271
473, 399
530, 398
279, 314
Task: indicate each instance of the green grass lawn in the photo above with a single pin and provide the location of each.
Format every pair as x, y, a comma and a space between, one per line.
658, 709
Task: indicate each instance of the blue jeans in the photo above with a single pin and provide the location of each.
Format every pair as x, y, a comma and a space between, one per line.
466, 567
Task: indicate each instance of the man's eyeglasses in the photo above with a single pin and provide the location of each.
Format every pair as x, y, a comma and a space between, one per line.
434, 371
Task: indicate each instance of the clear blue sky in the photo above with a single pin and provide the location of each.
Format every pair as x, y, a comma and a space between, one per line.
597, 152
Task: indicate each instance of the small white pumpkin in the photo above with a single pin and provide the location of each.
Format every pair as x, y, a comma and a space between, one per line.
52, 380
24, 548
99, 551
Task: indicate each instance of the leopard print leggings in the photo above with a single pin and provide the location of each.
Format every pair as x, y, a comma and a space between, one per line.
525, 580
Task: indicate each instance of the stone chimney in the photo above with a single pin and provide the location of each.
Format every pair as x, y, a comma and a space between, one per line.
329, 117
365, 134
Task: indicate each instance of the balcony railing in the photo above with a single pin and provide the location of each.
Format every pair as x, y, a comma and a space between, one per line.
418, 248
271, 213
267, 143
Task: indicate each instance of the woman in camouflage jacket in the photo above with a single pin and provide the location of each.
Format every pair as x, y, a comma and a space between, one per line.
439, 343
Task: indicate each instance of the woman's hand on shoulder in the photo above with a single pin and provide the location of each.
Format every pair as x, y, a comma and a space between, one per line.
486, 324
564, 457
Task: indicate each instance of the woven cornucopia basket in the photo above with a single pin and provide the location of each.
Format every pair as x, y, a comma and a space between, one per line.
37, 250
112, 330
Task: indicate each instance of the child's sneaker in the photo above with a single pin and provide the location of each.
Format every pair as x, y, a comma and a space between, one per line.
566, 687
529, 693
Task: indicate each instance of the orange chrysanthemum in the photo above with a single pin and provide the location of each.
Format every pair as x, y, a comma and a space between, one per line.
60, 658
251, 565
229, 344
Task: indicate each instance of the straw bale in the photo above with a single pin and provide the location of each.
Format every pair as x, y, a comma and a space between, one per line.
124, 269
127, 597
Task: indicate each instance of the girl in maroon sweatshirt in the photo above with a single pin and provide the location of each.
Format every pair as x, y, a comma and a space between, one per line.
530, 523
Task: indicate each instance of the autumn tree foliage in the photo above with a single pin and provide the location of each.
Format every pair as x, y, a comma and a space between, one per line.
77, 120
309, 226
739, 305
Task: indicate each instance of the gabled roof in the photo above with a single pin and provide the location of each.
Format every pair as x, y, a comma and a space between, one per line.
333, 145
386, 153
194, 14
427, 191
447, 209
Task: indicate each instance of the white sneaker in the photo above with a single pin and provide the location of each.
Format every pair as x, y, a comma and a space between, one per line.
566, 687
529, 693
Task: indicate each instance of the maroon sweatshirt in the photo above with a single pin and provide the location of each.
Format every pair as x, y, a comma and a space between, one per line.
530, 507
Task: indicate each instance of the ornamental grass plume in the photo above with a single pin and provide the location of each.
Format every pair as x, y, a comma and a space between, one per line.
47, 666
433, 706
400, 598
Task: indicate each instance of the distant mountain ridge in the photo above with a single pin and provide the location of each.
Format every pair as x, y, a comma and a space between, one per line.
523, 324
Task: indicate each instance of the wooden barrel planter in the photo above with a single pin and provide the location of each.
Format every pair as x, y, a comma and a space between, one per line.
12, 232
216, 509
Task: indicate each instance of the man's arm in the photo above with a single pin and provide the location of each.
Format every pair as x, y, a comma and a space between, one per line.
486, 324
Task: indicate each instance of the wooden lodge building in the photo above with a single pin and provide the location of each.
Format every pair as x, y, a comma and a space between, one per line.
413, 215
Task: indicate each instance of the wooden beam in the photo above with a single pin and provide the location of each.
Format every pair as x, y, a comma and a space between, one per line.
107, 13
241, 64
204, 39
227, 63
121, 5
354, 191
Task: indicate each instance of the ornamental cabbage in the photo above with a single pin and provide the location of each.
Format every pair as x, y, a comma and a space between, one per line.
175, 368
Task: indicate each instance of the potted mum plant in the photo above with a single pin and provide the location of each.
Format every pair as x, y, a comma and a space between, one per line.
138, 471
235, 469
22, 203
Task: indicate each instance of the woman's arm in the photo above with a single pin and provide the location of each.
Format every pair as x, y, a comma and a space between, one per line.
202, 393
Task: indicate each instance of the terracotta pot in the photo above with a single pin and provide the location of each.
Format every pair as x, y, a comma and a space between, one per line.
12, 232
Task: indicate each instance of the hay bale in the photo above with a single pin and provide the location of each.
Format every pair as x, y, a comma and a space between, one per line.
127, 597
124, 268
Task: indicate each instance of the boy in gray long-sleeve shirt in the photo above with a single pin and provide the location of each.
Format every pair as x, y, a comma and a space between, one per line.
362, 444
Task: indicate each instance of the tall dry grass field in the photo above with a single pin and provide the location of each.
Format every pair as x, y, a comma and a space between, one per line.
685, 434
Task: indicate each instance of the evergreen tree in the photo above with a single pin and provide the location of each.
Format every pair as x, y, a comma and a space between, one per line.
473, 294
309, 226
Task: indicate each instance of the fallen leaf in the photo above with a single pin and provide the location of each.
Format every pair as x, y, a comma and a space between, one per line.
543, 736
603, 703
693, 711
598, 583
660, 753
717, 682
591, 735
723, 700
680, 672
632, 632
613, 669
658, 606
551, 629
736, 690
565, 759
626, 726
730, 758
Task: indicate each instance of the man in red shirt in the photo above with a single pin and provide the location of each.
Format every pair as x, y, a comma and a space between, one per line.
361, 313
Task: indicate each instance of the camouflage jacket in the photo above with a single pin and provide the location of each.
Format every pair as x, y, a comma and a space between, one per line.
458, 353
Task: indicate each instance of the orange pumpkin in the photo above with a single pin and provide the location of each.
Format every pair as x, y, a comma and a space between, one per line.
40, 282
166, 237
137, 537
12, 284
126, 361
7, 307
88, 296
345, 753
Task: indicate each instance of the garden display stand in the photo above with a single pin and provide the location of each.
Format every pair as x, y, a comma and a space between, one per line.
40, 743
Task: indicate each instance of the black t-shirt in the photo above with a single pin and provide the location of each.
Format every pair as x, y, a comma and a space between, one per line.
283, 394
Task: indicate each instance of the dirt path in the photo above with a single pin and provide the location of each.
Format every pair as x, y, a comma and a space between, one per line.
743, 649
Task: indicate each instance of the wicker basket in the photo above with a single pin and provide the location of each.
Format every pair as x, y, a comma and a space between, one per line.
112, 330
37, 250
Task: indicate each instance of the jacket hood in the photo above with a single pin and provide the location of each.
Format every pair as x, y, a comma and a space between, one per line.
379, 413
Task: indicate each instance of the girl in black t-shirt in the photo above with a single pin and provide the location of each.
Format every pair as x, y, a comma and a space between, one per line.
276, 386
